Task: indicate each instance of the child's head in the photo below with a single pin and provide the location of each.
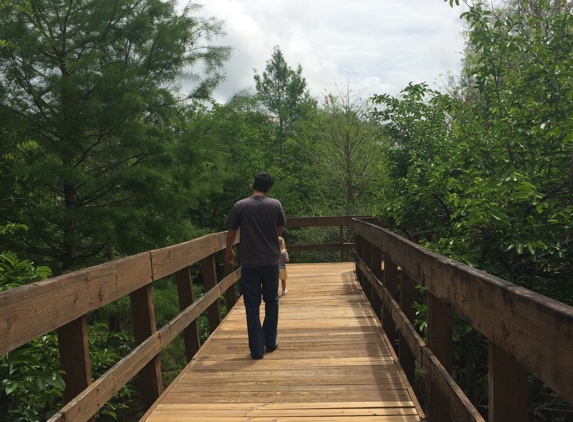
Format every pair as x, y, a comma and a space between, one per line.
282, 244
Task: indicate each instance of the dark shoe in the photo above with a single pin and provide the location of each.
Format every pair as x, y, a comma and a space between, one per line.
258, 357
272, 349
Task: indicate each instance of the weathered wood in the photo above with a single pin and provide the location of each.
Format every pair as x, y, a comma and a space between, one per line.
519, 321
30, 311
210, 281
321, 372
343, 220
341, 240
231, 293
186, 298
325, 247
507, 387
461, 407
358, 259
376, 267
143, 317
75, 357
408, 295
104, 388
440, 323
367, 258
167, 261
391, 284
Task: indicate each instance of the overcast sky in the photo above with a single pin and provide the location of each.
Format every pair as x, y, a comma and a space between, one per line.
378, 45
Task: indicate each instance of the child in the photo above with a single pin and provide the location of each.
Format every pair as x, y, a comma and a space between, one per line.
282, 264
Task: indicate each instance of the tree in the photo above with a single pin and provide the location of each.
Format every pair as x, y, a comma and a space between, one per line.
349, 153
94, 120
283, 92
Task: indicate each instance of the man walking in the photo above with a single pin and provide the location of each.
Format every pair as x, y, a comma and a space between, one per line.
261, 220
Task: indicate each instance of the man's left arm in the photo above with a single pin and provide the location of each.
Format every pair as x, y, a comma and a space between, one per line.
229, 254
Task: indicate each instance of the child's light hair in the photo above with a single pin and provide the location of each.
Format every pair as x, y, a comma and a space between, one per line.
282, 244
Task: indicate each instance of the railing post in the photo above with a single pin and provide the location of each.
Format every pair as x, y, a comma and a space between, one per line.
75, 361
358, 249
507, 381
143, 316
210, 280
391, 284
231, 293
407, 298
440, 322
186, 298
367, 258
341, 241
376, 267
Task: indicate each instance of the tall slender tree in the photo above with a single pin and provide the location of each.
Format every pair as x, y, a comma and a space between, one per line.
92, 112
283, 92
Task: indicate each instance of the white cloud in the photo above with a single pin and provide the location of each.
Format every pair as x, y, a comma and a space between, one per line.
380, 45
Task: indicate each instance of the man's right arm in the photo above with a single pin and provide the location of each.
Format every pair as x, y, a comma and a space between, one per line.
229, 254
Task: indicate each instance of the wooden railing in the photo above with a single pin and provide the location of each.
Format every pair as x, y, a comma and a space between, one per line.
526, 332
338, 221
62, 303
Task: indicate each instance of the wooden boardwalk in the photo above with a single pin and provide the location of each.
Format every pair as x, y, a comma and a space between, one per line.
332, 364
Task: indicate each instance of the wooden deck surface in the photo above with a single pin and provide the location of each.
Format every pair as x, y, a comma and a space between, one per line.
332, 363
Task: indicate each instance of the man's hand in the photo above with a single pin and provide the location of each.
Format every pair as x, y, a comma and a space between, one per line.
230, 256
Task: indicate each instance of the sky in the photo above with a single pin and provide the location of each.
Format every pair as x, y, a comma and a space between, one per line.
374, 46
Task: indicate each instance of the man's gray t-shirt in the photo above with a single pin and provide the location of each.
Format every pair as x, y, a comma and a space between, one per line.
258, 218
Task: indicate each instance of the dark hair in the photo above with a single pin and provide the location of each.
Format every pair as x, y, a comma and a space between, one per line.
263, 182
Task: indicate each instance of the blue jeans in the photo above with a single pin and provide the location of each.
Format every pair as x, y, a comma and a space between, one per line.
257, 281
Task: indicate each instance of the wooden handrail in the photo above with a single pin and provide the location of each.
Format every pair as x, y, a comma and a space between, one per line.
62, 303
525, 329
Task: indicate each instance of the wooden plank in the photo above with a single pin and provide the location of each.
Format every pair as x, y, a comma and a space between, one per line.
325, 247
519, 321
376, 267
507, 387
462, 409
186, 298
143, 317
167, 261
408, 295
296, 222
210, 281
440, 323
104, 388
391, 284
231, 293
30, 311
75, 360
338, 370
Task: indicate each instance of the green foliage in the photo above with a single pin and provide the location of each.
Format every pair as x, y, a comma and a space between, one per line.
95, 130
283, 92
483, 174
31, 384
15, 272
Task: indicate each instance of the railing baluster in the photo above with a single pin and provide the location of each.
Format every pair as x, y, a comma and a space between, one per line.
440, 320
75, 357
507, 387
367, 258
407, 297
231, 293
143, 316
210, 280
186, 298
358, 250
391, 284
376, 266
